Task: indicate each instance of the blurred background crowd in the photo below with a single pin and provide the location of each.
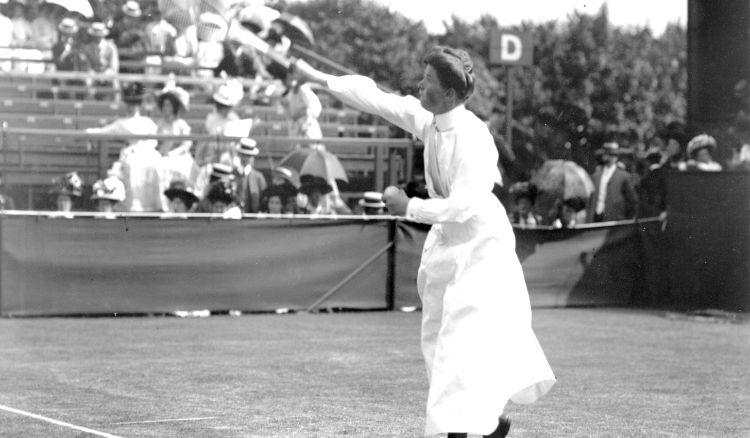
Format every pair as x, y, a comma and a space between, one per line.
598, 121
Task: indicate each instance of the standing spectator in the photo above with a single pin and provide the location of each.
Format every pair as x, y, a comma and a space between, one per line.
182, 198
652, 189
44, 27
524, 198
226, 97
6, 201
66, 189
108, 193
102, 56
139, 162
160, 38
614, 197
699, 151
303, 108
253, 183
23, 35
131, 39
177, 161
68, 55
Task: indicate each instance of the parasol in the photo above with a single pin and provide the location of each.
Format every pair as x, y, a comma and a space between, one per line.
315, 162
557, 181
82, 7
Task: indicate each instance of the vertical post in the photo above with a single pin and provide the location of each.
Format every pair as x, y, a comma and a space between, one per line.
393, 160
379, 186
103, 157
390, 282
509, 106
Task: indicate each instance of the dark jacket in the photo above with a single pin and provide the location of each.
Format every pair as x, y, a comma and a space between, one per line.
621, 201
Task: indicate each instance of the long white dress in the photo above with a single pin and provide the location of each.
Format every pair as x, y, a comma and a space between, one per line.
478, 344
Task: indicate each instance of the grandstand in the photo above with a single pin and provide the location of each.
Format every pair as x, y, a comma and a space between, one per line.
43, 132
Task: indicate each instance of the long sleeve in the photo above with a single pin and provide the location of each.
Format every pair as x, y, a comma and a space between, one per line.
470, 171
363, 94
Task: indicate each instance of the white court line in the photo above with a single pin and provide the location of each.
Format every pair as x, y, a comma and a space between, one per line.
167, 420
59, 423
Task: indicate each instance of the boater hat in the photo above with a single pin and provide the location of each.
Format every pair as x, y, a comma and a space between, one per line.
132, 9
248, 147
68, 26
111, 188
372, 200
98, 29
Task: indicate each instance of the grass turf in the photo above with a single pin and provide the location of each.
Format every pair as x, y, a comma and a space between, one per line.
621, 373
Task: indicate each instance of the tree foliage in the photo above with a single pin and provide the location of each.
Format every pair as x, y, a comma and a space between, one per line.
591, 81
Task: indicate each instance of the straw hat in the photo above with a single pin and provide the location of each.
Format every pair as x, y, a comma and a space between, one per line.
229, 93
702, 141
132, 9
248, 147
111, 188
211, 27
68, 26
98, 29
372, 200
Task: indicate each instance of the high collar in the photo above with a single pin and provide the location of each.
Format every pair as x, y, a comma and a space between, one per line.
446, 121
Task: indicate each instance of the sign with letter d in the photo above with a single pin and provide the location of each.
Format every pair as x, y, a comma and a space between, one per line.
511, 48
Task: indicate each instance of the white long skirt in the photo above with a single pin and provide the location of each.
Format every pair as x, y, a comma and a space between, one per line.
479, 347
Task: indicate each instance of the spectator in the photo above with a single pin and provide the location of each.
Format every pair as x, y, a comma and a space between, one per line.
6, 39
6, 201
139, 162
102, 52
674, 156
315, 200
177, 160
614, 197
225, 99
67, 189
222, 199
182, 199
652, 190
160, 38
216, 172
524, 198
274, 200
571, 213
102, 57
68, 55
44, 27
740, 158
372, 203
131, 39
108, 193
23, 35
253, 183
303, 108
699, 151
211, 32
286, 182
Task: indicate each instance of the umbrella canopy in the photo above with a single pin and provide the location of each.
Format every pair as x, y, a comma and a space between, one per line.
557, 181
82, 7
315, 162
296, 29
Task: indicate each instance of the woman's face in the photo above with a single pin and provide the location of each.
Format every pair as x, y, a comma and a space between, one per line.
274, 205
167, 109
178, 205
64, 203
703, 156
432, 95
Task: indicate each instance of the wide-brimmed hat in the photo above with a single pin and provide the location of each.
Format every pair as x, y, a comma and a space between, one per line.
211, 27
111, 188
68, 26
132, 9
248, 147
576, 203
69, 184
221, 171
310, 183
179, 189
133, 93
180, 94
98, 29
701, 141
229, 93
220, 191
372, 200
